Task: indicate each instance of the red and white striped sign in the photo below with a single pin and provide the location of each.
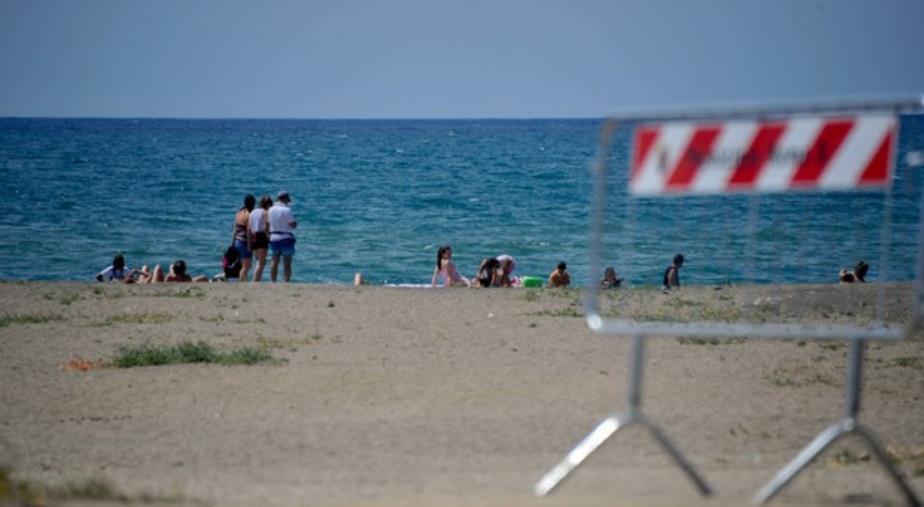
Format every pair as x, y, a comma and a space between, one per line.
803, 153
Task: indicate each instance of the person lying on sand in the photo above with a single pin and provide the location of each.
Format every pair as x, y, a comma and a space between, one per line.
857, 275
177, 273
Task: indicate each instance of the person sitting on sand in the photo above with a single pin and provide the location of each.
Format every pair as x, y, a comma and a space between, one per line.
231, 264
116, 271
857, 275
610, 279
446, 270
560, 277
672, 273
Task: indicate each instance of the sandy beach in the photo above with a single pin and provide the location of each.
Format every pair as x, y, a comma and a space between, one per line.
379, 396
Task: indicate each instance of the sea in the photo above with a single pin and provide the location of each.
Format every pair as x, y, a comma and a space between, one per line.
379, 197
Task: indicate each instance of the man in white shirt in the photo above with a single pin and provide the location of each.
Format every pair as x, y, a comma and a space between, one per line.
282, 241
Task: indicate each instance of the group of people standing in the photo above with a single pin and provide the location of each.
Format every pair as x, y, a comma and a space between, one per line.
269, 227
256, 230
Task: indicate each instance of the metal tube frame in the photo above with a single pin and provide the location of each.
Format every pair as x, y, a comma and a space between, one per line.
848, 425
640, 330
615, 422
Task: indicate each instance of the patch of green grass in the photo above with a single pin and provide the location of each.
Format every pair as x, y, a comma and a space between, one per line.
28, 493
288, 343
797, 377
908, 362
189, 292
781, 378
695, 340
846, 456
245, 355
7, 320
139, 318
832, 345
562, 312
68, 297
187, 352
530, 295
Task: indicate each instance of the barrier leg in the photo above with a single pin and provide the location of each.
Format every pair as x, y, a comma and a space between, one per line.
888, 466
581, 451
675, 453
613, 423
805, 456
845, 426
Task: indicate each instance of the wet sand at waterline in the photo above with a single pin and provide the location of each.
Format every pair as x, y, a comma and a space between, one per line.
378, 396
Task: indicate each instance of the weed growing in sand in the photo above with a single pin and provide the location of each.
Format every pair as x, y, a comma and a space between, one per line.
913, 458
187, 352
292, 343
7, 320
562, 312
530, 295
138, 318
68, 297
190, 292
92, 490
913, 362
798, 376
710, 340
845, 456
832, 345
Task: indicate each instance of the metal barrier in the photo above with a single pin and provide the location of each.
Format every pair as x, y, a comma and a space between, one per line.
876, 128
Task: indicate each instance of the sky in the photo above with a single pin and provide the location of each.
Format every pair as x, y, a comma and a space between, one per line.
445, 59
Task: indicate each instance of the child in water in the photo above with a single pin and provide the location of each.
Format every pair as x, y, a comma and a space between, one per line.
446, 270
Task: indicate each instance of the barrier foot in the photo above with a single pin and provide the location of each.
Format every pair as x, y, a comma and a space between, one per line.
805, 456
581, 451
824, 439
601, 434
675, 453
884, 461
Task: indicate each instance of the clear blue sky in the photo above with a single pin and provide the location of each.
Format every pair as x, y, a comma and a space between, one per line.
444, 59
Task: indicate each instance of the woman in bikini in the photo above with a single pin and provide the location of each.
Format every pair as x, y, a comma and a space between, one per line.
446, 270
240, 235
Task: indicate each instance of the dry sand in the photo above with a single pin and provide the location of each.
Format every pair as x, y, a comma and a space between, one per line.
397, 397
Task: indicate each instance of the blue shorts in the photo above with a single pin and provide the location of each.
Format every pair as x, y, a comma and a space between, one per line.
283, 247
241, 247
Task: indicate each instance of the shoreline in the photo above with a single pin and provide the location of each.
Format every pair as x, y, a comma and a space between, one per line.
395, 397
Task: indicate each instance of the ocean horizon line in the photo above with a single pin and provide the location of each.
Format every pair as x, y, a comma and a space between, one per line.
295, 118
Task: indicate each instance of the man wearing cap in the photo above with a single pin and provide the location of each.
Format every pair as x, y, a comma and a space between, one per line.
282, 241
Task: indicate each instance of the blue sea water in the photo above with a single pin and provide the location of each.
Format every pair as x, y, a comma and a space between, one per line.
380, 197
